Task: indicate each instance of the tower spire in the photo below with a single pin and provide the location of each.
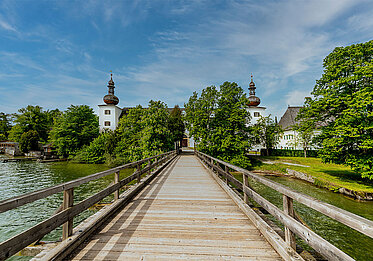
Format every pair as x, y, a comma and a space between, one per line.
253, 100
110, 98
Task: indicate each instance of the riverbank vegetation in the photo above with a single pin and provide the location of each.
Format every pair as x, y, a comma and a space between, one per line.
330, 175
343, 102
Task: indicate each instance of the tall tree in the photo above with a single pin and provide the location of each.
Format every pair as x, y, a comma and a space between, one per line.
30, 118
176, 124
4, 126
266, 132
76, 127
343, 98
218, 121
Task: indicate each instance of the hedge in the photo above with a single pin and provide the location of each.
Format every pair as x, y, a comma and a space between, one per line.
290, 153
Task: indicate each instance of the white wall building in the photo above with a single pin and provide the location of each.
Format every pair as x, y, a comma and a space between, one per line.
290, 139
109, 113
255, 112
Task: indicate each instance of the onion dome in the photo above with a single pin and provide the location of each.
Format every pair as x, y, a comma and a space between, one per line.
252, 100
110, 98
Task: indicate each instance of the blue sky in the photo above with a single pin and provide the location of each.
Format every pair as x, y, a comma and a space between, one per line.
57, 53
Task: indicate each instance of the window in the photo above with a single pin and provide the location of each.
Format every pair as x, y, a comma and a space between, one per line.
256, 114
107, 112
107, 123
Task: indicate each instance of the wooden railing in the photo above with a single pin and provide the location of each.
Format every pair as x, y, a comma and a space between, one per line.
286, 216
69, 210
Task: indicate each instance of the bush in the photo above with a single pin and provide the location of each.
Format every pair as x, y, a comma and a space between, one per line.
29, 141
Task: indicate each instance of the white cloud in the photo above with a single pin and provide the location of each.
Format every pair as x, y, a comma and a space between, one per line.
296, 97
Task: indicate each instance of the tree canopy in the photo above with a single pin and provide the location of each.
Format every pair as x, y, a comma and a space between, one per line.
4, 126
343, 99
266, 133
218, 121
176, 124
73, 129
31, 118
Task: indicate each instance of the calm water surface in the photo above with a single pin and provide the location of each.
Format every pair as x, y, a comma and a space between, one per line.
17, 178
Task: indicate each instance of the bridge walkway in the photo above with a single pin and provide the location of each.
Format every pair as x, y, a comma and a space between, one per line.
182, 214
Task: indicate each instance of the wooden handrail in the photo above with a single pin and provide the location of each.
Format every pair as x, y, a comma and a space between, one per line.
65, 217
351, 220
18, 201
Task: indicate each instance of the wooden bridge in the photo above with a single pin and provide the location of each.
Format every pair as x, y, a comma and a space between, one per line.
182, 207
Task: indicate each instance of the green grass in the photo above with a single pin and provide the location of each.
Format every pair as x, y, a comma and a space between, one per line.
328, 175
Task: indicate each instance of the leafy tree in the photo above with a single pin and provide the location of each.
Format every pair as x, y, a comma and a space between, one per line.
129, 134
305, 132
29, 141
144, 132
96, 151
218, 121
343, 98
4, 126
176, 124
76, 127
30, 118
266, 132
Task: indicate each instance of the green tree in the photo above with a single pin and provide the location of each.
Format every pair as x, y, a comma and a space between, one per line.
305, 129
266, 132
4, 126
76, 127
144, 132
218, 121
97, 150
30, 118
176, 124
29, 141
343, 99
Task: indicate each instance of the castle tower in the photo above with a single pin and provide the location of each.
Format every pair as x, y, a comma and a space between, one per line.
253, 102
109, 112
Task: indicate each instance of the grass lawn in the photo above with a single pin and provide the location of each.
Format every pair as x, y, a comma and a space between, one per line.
328, 175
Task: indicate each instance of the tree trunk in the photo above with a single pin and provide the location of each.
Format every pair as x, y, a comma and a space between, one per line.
305, 153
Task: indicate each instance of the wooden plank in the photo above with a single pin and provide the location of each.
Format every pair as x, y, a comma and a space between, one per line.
289, 210
68, 201
172, 219
84, 231
273, 238
18, 242
354, 221
315, 241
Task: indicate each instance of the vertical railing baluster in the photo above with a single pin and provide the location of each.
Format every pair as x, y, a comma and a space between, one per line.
245, 182
138, 173
289, 209
116, 180
226, 168
68, 201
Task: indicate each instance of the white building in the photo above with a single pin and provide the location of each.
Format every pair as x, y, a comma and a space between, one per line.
109, 113
290, 139
255, 112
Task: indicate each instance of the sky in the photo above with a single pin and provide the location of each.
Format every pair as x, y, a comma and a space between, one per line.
57, 53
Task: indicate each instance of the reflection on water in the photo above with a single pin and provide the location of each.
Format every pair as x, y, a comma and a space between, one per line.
348, 240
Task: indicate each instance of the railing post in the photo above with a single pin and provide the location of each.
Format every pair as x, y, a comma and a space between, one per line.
289, 209
138, 173
116, 180
68, 201
245, 183
226, 173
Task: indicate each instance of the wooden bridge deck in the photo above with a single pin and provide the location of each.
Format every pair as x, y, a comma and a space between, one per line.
182, 214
